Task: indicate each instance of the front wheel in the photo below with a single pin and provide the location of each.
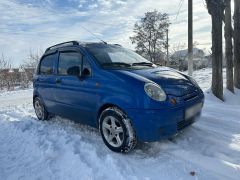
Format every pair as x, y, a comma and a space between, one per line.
116, 130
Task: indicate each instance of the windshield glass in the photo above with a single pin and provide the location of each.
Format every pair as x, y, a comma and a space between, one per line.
116, 56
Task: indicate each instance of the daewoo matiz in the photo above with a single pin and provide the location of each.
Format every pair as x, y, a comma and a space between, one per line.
126, 97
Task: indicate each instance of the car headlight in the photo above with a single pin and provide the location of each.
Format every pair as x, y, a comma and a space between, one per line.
155, 92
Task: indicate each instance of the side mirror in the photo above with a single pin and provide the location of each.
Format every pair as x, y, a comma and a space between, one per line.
86, 72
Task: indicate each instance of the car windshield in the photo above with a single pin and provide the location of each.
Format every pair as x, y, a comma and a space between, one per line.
115, 56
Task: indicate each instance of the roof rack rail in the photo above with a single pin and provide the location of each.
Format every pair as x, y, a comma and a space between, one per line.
68, 43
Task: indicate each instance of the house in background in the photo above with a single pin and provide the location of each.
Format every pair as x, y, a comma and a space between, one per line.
180, 58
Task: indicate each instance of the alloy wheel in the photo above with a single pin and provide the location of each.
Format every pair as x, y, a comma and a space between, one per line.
38, 109
113, 131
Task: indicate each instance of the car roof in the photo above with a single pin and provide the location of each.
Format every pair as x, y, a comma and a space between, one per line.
72, 43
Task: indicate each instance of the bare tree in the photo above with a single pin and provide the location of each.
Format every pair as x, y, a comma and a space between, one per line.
216, 10
24, 78
237, 44
4, 67
33, 59
3, 62
151, 34
10, 78
228, 46
29, 66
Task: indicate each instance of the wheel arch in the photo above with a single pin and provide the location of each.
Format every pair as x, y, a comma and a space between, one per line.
105, 106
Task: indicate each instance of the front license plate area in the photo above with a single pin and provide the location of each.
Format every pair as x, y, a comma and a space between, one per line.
193, 111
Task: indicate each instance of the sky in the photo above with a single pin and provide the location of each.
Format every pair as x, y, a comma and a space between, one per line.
34, 25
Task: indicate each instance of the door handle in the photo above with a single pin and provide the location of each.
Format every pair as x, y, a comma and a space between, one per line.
58, 81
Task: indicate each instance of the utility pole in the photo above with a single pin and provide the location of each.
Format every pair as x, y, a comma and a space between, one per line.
167, 49
190, 37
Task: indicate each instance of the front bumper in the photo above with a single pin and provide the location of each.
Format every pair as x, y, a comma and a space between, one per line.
154, 125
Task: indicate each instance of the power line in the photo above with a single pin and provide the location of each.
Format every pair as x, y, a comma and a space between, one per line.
179, 9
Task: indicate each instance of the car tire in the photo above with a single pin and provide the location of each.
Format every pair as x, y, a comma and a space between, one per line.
116, 130
40, 109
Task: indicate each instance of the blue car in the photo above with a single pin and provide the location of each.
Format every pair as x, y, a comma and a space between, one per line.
106, 86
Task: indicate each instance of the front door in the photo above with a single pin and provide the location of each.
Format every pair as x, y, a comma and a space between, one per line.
74, 95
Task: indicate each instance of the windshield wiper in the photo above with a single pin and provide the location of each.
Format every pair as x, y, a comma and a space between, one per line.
143, 64
116, 64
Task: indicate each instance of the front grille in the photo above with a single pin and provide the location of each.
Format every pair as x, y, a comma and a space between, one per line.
183, 124
190, 96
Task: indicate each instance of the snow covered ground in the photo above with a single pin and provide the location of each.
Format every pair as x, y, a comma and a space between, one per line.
62, 150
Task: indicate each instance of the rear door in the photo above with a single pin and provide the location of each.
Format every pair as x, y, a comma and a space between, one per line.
75, 95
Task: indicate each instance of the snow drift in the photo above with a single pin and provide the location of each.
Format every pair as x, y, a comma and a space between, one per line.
62, 150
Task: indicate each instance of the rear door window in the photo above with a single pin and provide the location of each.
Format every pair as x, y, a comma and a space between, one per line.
47, 64
69, 63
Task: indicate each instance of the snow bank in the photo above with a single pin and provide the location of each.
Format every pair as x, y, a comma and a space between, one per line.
62, 150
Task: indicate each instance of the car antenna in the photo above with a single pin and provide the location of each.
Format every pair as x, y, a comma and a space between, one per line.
94, 35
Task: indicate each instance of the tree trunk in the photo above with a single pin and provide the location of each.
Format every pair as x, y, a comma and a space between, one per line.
216, 9
237, 44
228, 46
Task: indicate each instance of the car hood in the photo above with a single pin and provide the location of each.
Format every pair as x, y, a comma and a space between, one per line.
173, 82
162, 75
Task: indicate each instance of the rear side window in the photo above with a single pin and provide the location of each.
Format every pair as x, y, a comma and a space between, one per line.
69, 63
46, 65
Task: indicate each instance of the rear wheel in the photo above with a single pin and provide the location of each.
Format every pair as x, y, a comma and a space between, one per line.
116, 130
40, 110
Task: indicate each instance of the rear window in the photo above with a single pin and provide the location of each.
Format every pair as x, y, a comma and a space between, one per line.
46, 66
69, 63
